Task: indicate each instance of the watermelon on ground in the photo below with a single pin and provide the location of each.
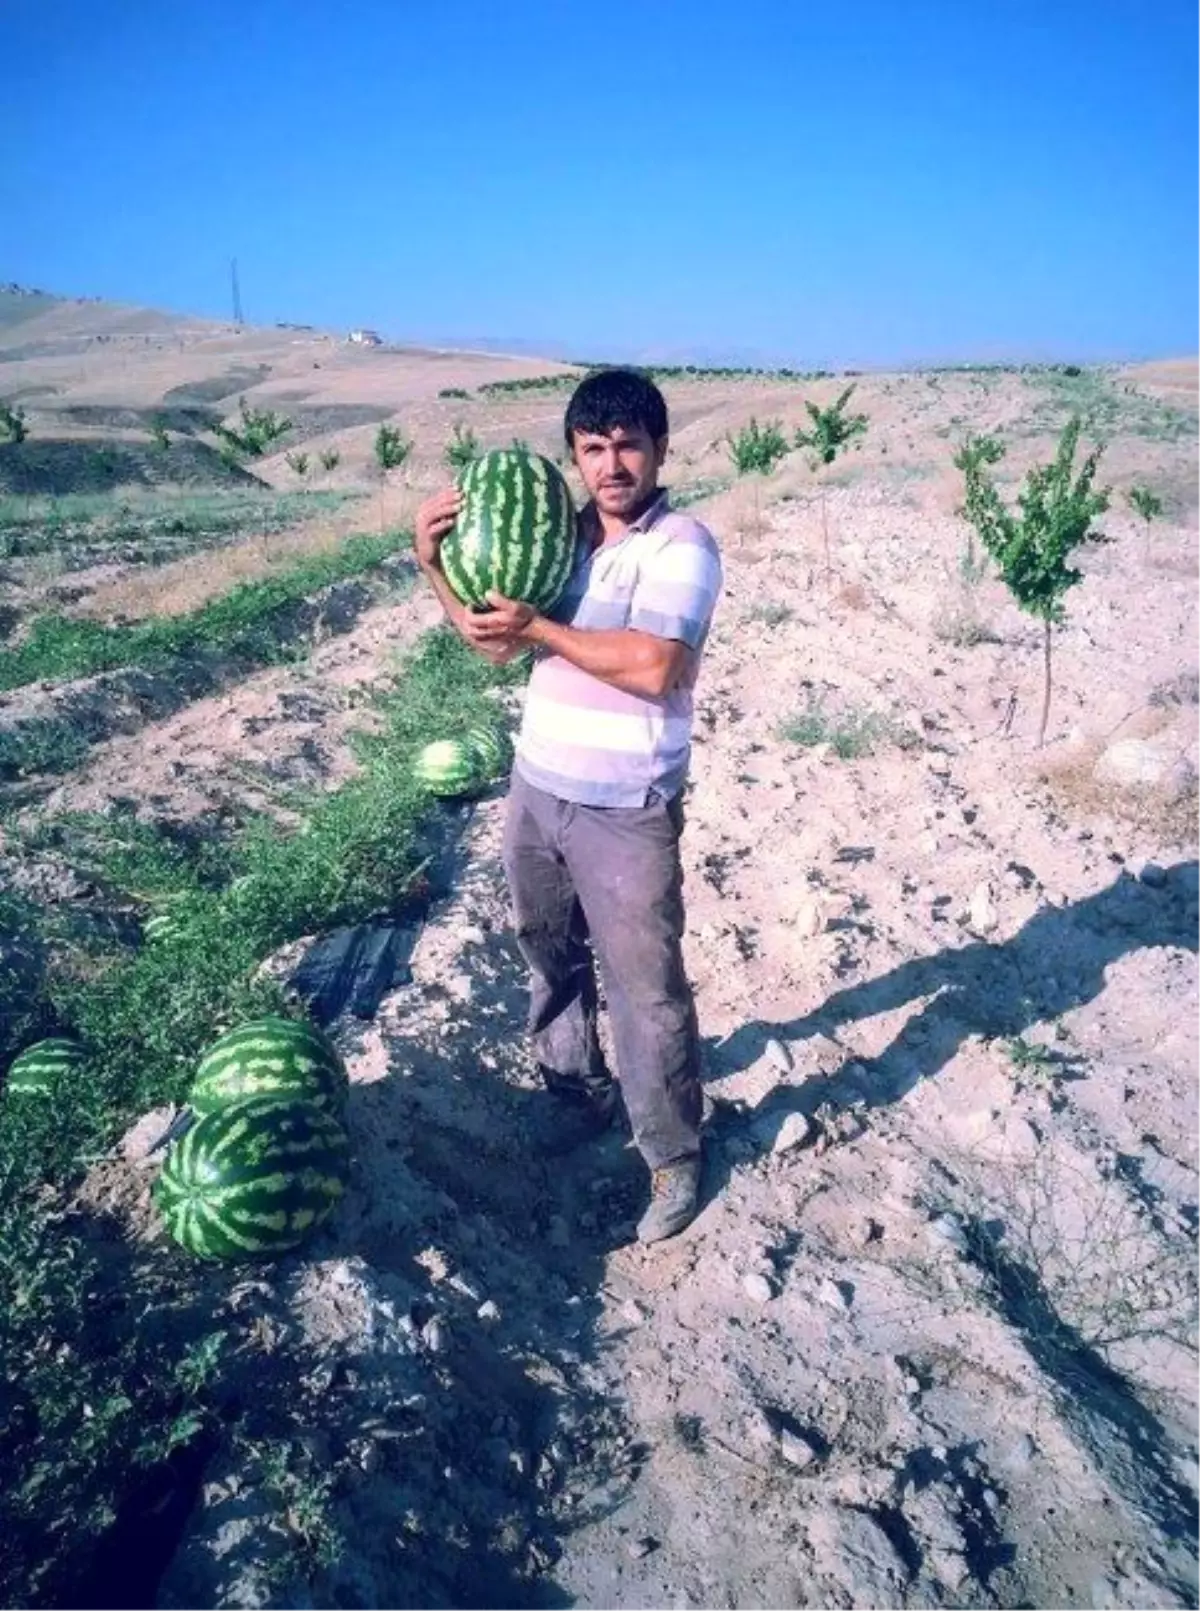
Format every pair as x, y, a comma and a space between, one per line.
493, 750
41, 1069
270, 1057
515, 532
253, 1179
448, 767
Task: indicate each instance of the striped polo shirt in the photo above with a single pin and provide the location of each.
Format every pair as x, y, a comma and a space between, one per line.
584, 740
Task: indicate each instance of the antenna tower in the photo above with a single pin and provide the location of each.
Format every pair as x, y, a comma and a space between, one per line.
237, 293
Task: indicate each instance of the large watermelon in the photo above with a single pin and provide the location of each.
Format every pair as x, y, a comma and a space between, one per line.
448, 767
254, 1179
270, 1057
515, 533
493, 750
41, 1069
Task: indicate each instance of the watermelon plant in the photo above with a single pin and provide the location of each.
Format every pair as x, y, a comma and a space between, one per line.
515, 532
253, 1179
1032, 546
832, 430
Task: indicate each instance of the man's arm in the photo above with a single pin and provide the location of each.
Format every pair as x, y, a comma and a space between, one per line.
636, 662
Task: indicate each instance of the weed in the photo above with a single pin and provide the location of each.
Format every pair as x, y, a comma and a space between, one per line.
329, 458
297, 462
850, 734
770, 613
40, 746
304, 1500
13, 427
159, 434
757, 448
1033, 548
454, 391
696, 491
462, 449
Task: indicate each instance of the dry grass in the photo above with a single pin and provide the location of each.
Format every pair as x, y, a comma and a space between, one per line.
185, 585
1070, 778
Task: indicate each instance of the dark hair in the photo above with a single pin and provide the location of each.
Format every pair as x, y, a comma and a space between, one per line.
613, 397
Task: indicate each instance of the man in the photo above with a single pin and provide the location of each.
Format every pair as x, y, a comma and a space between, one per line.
595, 809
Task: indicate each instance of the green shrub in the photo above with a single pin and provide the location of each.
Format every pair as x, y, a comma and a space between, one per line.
330, 459
12, 423
392, 447
297, 462
260, 429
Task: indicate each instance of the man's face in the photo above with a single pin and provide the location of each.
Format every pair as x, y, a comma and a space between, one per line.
620, 469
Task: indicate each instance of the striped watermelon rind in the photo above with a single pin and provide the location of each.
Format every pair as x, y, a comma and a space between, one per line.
254, 1179
515, 532
493, 750
448, 767
40, 1069
270, 1057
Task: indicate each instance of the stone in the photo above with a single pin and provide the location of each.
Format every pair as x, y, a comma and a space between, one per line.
793, 1132
632, 1312
810, 918
948, 1567
982, 913
139, 1143
1147, 764
435, 1335
834, 1294
777, 1054
638, 1548
488, 1313
1152, 875
797, 1450
851, 1546
757, 1287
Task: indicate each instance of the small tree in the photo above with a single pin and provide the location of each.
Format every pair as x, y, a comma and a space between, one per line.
158, 430
330, 458
392, 447
833, 430
1145, 503
12, 423
757, 449
260, 428
297, 462
1032, 548
462, 448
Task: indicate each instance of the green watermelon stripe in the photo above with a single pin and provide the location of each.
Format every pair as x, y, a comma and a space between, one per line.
515, 531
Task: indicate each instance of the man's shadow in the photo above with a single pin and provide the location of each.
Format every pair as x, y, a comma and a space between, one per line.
1056, 962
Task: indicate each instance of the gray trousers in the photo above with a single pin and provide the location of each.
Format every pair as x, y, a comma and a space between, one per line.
611, 876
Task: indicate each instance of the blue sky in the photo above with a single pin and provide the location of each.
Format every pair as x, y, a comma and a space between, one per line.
882, 182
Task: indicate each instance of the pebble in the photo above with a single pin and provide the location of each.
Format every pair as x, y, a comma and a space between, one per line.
756, 1287
796, 1449
793, 1132
949, 1567
912, 1387
632, 1312
639, 1548
488, 1313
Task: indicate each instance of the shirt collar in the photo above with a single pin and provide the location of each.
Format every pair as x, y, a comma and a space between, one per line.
649, 517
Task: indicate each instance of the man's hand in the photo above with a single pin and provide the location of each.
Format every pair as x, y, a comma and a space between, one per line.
506, 624
435, 519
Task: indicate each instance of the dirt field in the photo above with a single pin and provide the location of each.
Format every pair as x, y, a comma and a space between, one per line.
932, 1339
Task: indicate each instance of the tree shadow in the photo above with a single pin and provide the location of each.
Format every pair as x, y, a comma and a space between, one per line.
1056, 962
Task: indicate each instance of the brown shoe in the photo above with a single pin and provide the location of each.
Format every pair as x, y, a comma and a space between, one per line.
674, 1200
